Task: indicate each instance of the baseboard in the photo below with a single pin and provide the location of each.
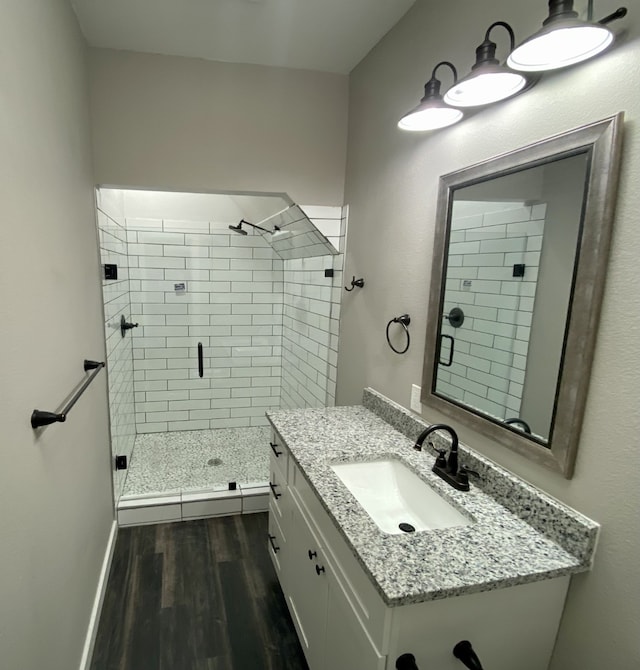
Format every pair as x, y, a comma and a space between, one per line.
92, 630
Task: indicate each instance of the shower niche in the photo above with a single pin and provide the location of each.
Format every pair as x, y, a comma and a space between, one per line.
229, 326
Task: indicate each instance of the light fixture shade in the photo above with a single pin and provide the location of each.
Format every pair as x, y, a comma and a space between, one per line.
432, 112
563, 40
487, 85
430, 116
488, 81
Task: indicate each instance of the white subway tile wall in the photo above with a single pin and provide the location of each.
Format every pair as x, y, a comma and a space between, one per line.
330, 222
489, 362
311, 317
268, 327
113, 250
195, 282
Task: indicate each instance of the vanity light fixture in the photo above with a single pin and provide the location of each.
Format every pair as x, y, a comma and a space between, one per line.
432, 112
564, 39
488, 81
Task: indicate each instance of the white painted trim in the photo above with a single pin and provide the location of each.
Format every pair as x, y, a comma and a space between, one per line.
92, 630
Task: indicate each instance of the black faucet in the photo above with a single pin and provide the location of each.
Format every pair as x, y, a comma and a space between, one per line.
452, 461
519, 422
447, 468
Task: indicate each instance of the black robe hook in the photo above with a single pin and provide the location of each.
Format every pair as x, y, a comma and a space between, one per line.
355, 282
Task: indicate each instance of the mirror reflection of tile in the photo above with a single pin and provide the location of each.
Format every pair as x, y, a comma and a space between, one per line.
512, 239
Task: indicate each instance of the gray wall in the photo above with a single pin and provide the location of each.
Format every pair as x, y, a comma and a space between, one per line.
55, 486
189, 124
391, 189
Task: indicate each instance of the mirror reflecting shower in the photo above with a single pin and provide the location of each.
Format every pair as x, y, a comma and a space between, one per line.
511, 254
519, 260
230, 326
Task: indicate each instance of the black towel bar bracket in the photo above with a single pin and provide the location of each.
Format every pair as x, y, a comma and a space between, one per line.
41, 418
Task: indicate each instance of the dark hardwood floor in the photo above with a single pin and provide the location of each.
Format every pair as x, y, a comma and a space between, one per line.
197, 595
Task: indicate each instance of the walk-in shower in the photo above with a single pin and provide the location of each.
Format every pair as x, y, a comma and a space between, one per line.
229, 327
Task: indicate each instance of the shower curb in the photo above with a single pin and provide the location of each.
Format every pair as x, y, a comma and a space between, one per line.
190, 505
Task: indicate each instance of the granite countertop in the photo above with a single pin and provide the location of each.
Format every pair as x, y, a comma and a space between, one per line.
497, 550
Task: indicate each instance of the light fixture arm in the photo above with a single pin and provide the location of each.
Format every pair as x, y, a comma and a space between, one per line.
507, 27
486, 52
432, 87
448, 64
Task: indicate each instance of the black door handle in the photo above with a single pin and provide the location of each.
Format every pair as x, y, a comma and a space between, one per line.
274, 448
273, 544
319, 570
312, 554
450, 362
200, 360
273, 490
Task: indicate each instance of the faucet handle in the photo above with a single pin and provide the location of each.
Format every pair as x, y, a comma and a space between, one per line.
463, 475
441, 461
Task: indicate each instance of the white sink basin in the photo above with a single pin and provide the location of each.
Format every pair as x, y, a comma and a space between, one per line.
392, 494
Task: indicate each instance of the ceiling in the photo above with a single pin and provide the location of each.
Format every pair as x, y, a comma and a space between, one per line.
325, 35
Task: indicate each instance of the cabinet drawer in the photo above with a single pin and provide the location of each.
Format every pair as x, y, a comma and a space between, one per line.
279, 455
278, 491
277, 545
358, 588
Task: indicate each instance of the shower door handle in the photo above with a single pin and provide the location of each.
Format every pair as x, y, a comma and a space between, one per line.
200, 360
449, 363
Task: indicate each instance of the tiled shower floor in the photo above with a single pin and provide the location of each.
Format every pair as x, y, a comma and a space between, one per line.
197, 460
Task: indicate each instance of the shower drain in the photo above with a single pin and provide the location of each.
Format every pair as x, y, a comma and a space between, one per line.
214, 461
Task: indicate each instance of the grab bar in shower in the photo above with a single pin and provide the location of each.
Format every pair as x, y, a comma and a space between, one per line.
40, 418
200, 360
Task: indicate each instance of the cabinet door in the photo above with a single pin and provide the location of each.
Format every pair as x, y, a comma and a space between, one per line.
306, 590
278, 546
279, 454
347, 644
278, 485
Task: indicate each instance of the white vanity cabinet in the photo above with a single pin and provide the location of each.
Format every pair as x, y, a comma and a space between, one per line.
279, 510
329, 631
343, 623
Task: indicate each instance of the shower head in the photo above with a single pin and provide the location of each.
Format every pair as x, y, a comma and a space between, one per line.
277, 234
238, 229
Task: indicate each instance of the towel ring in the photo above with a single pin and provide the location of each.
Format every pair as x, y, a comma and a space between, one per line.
404, 320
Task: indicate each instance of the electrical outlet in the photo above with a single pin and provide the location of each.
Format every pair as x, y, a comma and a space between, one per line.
416, 405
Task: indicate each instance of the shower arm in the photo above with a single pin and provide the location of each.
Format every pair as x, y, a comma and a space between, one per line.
253, 225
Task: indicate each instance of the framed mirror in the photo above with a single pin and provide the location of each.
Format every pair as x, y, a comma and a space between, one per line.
519, 263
